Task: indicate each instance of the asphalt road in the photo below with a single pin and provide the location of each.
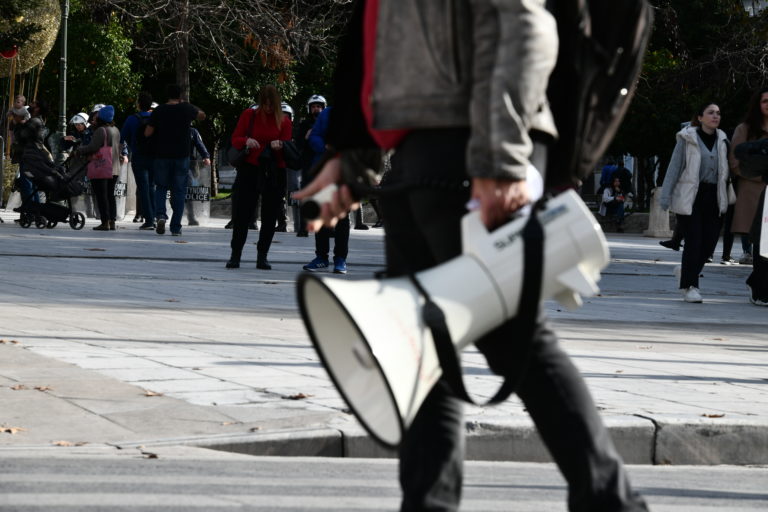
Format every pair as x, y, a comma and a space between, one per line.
181, 479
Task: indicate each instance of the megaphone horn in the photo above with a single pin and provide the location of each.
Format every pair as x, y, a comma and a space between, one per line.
372, 339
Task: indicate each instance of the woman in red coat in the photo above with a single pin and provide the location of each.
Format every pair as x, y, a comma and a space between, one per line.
262, 129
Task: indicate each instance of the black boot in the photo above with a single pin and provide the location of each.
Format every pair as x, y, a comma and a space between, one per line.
261, 261
234, 260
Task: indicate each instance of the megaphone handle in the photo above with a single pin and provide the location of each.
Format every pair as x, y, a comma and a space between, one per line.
530, 296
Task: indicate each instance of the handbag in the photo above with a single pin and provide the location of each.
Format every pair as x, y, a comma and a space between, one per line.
731, 193
237, 157
100, 163
291, 155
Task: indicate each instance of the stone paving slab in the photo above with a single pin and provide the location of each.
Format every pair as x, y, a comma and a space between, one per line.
677, 383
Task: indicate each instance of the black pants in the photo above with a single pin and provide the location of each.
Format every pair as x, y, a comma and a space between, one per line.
758, 279
104, 192
252, 183
422, 230
340, 240
701, 233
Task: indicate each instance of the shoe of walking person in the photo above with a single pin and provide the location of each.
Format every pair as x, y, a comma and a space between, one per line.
262, 263
229, 225
692, 295
746, 259
176, 233
670, 244
147, 226
160, 228
317, 264
339, 265
758, 302
728, 261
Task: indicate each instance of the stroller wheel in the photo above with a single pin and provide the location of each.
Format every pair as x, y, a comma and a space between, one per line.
77, 220
51, 224
26, 220
41, 222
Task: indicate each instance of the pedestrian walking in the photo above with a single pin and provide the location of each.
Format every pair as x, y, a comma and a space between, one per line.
695, 186
169, 128
748, 189
103, 185
140, 152
459, 122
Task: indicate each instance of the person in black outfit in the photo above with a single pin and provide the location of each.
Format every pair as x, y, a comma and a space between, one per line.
444, 157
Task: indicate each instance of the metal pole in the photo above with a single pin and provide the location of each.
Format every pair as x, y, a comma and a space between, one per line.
63, 70
2, 169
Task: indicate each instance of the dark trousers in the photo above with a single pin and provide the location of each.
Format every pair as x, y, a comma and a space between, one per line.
104, 192
758, 279
252, 183
340, 240
701, 233
422, 227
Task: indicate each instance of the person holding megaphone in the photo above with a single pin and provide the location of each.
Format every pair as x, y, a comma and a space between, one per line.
459, 113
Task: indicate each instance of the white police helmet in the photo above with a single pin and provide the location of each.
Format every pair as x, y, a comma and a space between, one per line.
316, 98
286, 108
81, 118
97, 107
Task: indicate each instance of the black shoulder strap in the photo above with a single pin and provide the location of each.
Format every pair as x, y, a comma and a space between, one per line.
528, 309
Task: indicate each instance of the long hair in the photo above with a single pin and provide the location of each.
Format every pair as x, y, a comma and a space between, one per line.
700, 112
754, 117
269, 94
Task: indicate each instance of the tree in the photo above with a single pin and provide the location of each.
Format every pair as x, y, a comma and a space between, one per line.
99, 67
700, 51
238, 34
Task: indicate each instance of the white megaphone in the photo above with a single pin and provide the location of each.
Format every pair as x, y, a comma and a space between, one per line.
372, 339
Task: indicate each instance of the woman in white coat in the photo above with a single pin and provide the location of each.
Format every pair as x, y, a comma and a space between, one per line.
695, 186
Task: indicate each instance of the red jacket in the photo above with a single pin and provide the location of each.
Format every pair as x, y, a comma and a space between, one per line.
264, 130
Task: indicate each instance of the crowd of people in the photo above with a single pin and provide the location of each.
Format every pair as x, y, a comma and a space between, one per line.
705, 187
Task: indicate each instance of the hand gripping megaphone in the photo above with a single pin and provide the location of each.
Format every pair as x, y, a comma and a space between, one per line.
371, 336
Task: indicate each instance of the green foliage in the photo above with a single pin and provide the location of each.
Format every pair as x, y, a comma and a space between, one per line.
700, 51
99, 69
15, 28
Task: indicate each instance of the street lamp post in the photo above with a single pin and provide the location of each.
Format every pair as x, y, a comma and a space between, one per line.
63, 70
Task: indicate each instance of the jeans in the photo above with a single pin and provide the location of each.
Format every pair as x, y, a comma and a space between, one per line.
422, 225
171, 173
340, 240
144, 175
701, 233
615, 209
28, 193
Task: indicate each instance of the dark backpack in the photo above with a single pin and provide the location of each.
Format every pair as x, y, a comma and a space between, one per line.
144, 145
753, 158
602, 44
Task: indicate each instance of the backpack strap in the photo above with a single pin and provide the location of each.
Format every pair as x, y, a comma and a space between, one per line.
530, 296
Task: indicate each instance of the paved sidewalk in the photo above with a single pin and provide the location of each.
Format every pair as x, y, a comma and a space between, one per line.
137, 339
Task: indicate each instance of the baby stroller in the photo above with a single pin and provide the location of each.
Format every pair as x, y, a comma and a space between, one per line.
59, 183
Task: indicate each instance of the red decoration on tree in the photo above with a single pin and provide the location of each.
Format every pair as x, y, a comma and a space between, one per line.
9, 54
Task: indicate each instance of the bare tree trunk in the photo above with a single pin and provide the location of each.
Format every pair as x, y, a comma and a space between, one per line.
182, 55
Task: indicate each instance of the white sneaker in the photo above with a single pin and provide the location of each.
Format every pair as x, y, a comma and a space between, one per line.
692, 295
757, 302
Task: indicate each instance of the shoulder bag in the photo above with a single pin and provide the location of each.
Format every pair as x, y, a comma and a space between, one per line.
236, 157
100, 164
